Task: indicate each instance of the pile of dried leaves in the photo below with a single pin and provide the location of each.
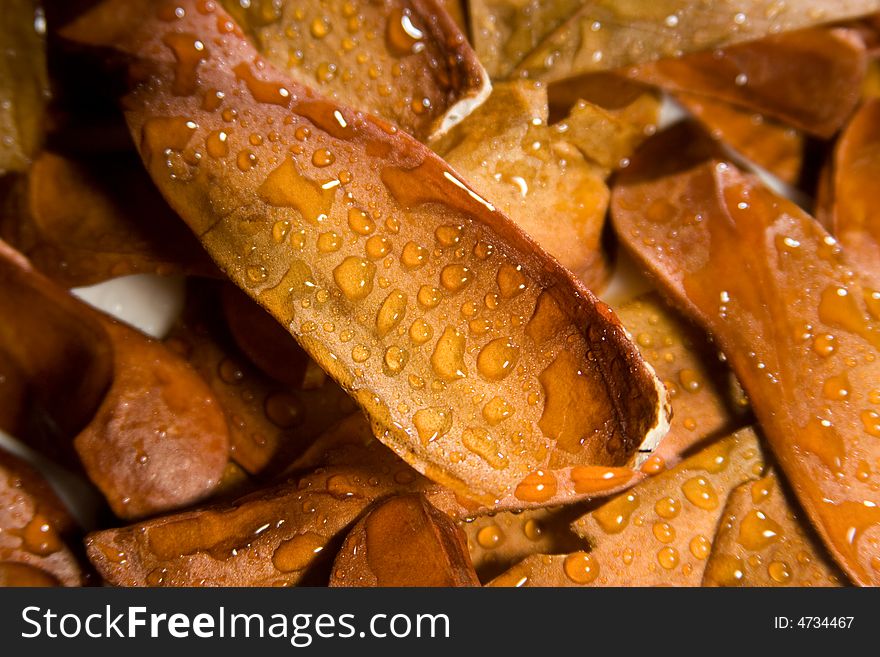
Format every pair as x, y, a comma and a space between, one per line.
394, 216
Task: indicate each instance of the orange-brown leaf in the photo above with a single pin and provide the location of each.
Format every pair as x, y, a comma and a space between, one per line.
83, 221
36, 530
411, 290
144, 425
406, 61
404, 541
658, 533
810, 79
798, 327
762, 541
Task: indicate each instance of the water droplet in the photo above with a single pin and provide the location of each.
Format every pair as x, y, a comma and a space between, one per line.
455, 277
539, 486
668, 558
613, 516
298, 552
413, 256
354, 276
663, 532
779, 571
700, 547
360, 353
479, 442
700, 492
490, 537
420, 332
497, 359
329, 242
496, 411
448, 235
360, 222
581, 567
391, 312
667, 507
757, 531
432, 423
395, 360
448, 357
428, 297
378, 247
511, 281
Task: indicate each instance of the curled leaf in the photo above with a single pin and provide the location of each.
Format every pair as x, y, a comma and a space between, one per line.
24, 83
799, 328
147, 429
404, 541
405, 61
281, 536
483, 362
83, 221
658, 533
851, 206
556, 40
810, 79
35, 530
762, 542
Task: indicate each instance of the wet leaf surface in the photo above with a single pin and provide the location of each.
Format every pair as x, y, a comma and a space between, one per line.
405, 61
658, 533
707, 401
35, 531
535, 175
404, 541
762, 541
553, 41
798, 326
315, 209
279, 536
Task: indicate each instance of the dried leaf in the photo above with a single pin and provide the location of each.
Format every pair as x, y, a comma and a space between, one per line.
83, 221
35, 530
810, 79
854, 215
771, 145
405, 61
531, 172
281, 536
706, 399
404, 541
266, 344
762, 542
799, 328
147, 429
24, 83
269, 423
555, 40
441, 388
658, 533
